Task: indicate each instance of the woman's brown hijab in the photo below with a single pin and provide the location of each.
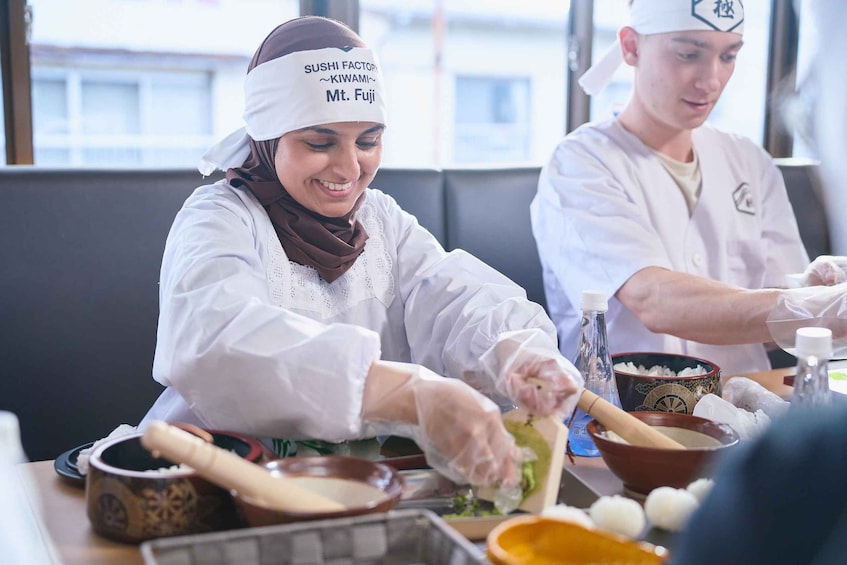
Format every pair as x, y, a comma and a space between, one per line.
330, 245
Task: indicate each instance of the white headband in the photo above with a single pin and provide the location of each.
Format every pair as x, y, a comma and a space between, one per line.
302, 89
664, 16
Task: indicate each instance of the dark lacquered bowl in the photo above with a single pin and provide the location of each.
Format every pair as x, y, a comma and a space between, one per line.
665, 394
641, 469
132, 496
386, 481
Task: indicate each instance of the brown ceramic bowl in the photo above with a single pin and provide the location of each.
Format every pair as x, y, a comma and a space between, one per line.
665, 394
130, 498
641, 469
386, 487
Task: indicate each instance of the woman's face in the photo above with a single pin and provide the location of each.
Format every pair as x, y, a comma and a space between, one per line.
326, 168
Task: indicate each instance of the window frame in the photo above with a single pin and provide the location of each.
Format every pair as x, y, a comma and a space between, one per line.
15, 18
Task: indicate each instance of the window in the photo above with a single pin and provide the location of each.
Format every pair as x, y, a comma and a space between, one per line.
86, 117
801, 107
146, 83
461, 77
741, 108
147, 61
492, 120
609, 17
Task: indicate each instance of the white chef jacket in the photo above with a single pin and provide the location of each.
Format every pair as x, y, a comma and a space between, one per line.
249, 341
607, 208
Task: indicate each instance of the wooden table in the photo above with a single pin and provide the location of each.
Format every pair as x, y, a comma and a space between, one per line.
772, 380
64, 520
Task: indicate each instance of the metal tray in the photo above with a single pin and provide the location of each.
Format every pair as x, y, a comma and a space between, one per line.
400, 537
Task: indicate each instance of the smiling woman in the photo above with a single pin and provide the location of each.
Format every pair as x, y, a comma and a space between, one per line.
294, 297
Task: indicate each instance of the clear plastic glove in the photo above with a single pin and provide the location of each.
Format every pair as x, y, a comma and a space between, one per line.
747, 424
526, 366
751, 396
815, 306
508, 498
459, 430
826, 270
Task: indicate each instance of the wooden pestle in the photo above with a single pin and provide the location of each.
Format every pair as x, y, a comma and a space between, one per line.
624, 424
228, 470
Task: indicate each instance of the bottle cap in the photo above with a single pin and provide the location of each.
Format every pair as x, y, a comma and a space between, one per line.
594, 300
814, 341
10, 439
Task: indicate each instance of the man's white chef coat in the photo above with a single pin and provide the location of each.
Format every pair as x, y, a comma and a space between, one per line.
251, 342
607, 208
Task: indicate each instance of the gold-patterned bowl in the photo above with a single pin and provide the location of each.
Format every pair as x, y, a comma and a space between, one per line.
646, 393
132, 496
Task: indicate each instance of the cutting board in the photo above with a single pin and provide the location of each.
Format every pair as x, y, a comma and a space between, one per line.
552, 436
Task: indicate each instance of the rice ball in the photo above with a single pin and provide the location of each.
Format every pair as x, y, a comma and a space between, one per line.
618, 514
669, 508
700, 488
568, 514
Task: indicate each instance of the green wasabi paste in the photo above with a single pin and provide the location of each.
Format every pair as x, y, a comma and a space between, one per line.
533, 473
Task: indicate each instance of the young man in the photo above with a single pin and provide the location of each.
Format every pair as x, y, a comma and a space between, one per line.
778, 499
688, 228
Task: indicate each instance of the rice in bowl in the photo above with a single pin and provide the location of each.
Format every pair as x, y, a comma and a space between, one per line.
659, 370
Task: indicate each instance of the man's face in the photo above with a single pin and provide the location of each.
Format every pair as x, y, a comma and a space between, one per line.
680, 75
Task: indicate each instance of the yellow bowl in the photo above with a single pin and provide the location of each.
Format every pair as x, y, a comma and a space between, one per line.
540, 540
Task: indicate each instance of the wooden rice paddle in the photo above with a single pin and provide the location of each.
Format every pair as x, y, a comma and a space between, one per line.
624, 424
228, 470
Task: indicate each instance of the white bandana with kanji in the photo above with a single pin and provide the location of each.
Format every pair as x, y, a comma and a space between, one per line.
665, 16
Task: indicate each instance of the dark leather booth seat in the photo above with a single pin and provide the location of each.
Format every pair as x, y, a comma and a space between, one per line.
80, 253
805, 191
803, 181
420, 191
80, 256
79, 292
488, 215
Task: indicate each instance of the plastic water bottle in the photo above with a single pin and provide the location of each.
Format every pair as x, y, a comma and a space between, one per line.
594, 362
811, 383
22, 535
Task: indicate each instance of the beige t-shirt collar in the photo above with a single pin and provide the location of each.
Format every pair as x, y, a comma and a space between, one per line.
686, 175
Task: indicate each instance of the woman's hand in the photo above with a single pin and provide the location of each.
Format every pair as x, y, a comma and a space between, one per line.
526, 366
463, 432
544, 382
459, 430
